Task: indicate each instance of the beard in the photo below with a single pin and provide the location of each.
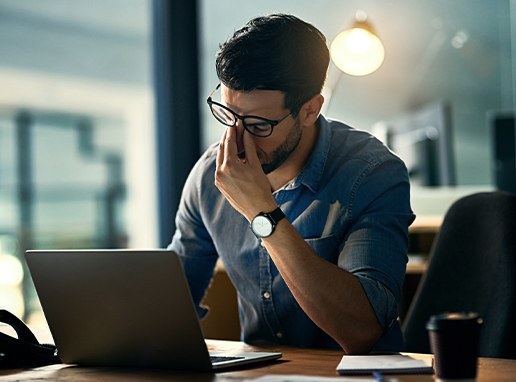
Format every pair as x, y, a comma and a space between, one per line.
275, 159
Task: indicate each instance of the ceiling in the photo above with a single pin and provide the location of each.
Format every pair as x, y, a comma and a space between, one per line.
105, 40
119, 17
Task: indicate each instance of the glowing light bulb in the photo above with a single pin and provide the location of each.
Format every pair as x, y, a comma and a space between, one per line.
357, 51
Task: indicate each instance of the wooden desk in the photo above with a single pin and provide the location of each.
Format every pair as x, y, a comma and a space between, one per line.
426, 224
294, 361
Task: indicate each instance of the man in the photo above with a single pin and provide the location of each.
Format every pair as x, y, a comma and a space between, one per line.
308, 215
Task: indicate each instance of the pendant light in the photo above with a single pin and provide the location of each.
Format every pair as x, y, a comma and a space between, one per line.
358, 51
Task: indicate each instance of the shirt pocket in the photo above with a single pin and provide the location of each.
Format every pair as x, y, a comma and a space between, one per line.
327, 247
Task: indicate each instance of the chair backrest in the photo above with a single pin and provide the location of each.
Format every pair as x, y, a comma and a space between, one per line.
472, 267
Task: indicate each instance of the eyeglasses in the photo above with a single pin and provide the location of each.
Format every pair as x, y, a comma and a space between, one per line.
257, 126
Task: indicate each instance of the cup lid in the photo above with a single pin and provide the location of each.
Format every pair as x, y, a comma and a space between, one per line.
452, 318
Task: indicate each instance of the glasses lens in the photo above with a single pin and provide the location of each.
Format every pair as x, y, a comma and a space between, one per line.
258, 127
222, 114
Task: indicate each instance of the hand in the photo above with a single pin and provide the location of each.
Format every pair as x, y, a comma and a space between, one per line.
242, 180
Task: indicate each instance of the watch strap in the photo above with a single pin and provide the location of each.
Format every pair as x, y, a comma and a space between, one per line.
276, 215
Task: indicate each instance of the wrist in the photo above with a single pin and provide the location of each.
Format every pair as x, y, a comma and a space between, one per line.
261, 208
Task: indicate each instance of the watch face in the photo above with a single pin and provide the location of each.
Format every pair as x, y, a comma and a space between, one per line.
261, 226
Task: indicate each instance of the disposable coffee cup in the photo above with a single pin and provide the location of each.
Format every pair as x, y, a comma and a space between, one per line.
454, 342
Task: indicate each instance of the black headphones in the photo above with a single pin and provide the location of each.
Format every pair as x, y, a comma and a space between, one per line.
24, 351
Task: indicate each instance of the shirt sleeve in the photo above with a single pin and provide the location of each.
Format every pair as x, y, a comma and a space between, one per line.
191, 240
375, 248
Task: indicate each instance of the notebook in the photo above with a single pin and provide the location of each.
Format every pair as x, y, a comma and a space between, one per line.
385, 363
128, 308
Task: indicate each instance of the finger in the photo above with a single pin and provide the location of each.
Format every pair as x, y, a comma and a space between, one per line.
231, 151
220, 150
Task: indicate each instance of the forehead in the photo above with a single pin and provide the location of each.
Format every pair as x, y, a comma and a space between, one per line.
254, 101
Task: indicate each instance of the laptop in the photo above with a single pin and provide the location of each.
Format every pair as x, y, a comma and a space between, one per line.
124, 308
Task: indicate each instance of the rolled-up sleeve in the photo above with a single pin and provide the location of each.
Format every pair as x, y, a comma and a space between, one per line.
191, 240
375, 248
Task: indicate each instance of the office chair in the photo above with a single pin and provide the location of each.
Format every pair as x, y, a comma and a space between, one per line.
472, 267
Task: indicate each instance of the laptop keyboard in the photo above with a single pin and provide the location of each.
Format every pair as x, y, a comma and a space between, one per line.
216, 358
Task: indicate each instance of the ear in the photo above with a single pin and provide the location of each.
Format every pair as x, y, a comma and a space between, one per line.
310, 111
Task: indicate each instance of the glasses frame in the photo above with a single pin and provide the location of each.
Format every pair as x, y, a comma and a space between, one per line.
273, 122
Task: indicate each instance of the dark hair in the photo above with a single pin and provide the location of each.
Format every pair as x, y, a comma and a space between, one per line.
275, 52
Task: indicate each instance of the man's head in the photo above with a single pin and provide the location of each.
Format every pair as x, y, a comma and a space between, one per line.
275, 52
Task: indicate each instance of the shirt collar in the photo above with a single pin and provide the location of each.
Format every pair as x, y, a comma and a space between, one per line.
312, 172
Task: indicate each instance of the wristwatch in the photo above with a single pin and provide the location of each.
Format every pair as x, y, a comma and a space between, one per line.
264, 223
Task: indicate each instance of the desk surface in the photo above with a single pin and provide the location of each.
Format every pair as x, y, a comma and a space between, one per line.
426, 224
294, 361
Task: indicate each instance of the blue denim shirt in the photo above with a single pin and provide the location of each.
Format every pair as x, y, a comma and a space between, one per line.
351, 205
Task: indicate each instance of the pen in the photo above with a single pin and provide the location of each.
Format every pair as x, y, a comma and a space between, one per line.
378, 377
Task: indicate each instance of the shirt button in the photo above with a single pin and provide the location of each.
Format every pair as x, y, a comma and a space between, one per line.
266, 295
279, 335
